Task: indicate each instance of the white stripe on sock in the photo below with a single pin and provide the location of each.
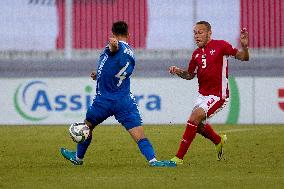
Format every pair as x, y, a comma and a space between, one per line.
153, 160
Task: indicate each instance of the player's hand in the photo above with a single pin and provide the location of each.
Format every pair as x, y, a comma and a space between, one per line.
93, 75
173, 70
244, 38
113, 44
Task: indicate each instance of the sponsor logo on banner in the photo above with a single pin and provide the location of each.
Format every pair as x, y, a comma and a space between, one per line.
35, 100
150, 102
234, 110
281, 96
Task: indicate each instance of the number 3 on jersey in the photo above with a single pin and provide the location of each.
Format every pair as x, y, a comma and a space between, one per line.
203, 62
121, 74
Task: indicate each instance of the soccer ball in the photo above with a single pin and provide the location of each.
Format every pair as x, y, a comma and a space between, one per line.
79, 132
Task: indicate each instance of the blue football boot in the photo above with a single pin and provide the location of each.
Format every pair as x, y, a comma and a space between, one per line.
163, 163
71, 156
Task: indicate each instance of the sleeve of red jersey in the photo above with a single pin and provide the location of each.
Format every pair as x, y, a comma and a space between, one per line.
229, 50
192, 66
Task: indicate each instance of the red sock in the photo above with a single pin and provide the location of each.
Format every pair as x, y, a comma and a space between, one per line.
188, 136
209, 133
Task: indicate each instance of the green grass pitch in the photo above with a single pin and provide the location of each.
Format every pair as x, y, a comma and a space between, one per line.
30, 158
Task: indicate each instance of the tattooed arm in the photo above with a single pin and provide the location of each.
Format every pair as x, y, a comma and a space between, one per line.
184, 74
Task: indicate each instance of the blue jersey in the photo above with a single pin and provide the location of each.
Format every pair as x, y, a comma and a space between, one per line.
113, 72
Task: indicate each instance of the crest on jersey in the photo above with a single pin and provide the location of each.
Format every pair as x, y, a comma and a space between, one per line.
212, 51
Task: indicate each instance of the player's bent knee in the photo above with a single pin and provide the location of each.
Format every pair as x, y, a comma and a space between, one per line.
197, 116
200, 128
89, 124
137, 133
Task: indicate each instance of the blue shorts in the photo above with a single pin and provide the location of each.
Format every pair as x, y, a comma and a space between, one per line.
124, 110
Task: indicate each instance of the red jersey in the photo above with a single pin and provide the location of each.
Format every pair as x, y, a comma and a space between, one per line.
211, 66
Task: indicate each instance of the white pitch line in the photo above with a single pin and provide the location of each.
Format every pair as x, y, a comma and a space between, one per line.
237, 130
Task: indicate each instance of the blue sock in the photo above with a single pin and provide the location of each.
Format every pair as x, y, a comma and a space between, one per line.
146, 148
82, 147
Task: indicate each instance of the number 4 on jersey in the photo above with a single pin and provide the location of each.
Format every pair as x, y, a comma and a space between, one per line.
121, 74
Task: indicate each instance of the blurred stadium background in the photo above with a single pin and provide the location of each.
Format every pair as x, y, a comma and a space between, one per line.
49, 47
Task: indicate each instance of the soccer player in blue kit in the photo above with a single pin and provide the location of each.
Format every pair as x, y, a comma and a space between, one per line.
113, 97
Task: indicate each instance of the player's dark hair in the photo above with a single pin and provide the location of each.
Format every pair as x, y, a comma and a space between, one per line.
207, 24
120, 28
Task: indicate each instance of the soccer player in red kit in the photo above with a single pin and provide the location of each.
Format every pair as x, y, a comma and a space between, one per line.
210, 64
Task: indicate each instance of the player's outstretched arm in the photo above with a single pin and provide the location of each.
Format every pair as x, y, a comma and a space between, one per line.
93, 75
184, 74
113, 44
243, 54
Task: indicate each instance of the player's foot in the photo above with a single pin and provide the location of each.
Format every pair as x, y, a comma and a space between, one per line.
220, 148
177, 160
163, 163
71, 156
